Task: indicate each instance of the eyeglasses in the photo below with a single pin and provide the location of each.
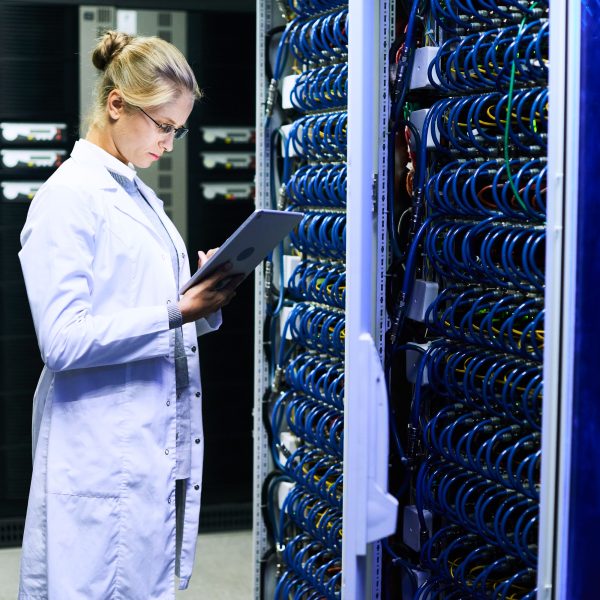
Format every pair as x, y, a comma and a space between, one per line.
167, 128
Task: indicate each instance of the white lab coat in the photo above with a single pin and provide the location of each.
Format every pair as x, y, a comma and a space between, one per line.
101, 516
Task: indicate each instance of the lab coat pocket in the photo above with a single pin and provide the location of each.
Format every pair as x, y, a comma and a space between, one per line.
83, 546
88, 432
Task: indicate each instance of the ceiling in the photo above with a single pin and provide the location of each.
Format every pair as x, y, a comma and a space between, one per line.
199, 5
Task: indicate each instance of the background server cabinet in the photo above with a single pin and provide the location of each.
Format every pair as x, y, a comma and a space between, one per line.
38, 125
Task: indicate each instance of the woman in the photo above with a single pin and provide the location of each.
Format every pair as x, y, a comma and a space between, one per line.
117, 431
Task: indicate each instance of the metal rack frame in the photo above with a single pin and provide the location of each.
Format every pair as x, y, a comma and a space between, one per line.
559, 297
261, 457
367, 505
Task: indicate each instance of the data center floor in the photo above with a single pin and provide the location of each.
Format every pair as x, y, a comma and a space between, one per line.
223, 569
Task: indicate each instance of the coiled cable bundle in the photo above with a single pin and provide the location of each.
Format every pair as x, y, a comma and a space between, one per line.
505, 322
321, 234
482, 60
319, 39
319, 376
317, 424
311, 563
324, 283
321, 89
317, 473
319, 137
476, 569
320, 185
307, 8
464, 15
507, 255
501, 385
317, 328
480, 188
495, 513
317, 517
478, 125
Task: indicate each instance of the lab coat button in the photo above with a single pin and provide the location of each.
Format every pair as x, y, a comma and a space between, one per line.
168, 302
197, 394
168, 403
197, 440
193, 348
196, 487
167, 451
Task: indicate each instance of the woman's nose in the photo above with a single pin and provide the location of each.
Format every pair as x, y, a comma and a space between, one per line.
167, 143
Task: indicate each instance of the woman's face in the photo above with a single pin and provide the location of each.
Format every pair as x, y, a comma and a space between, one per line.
137, 139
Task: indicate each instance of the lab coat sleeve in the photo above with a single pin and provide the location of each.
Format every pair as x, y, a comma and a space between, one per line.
57, 254
210, 323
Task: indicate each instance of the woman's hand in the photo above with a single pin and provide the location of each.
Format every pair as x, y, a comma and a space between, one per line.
204, 256
211, 293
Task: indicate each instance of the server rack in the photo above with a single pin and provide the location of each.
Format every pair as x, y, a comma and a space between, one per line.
539, 535
353, 311
38, 123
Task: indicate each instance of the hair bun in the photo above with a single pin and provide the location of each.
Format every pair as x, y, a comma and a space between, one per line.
108, 47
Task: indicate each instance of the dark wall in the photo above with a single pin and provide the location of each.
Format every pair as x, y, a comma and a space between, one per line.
221, 49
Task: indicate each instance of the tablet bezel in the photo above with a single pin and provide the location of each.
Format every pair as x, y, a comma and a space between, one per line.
284, 220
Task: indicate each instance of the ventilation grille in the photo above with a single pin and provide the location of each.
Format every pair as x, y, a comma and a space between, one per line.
105, 15
165, 20
11, 532
165, 163
38, 61
165, 181
225, 517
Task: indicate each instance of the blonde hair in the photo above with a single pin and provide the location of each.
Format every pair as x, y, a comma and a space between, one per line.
147, 71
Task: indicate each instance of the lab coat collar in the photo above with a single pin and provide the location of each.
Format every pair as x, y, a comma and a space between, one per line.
98, 162
92, 159
99, 155
91, 155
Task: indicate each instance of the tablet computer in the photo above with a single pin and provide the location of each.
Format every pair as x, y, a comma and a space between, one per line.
249, 244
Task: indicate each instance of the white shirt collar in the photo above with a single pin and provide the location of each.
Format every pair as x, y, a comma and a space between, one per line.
108, 160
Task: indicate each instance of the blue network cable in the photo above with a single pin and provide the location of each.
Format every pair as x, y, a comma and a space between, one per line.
480, 191
307, 8
321, 89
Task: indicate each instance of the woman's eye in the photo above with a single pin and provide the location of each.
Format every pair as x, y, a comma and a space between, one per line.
167, 128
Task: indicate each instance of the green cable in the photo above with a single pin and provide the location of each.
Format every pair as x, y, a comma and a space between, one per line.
508, 118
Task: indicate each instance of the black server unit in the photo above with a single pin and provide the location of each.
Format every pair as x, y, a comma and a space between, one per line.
38, 124
221, 152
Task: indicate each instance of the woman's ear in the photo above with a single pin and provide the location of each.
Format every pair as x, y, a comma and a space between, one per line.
115, 105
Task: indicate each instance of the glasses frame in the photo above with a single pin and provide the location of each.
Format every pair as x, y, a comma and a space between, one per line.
167, 128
